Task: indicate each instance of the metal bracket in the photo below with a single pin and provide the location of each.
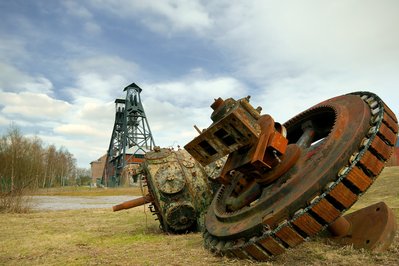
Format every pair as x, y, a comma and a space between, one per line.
371, 228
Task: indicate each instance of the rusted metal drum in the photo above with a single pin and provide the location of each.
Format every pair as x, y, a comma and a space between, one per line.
351, 138
180, 189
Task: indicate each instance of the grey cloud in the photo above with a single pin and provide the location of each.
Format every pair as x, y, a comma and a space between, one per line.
161, 16
15, 80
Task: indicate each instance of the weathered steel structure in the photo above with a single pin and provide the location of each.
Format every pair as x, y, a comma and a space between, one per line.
282, 184
131, 136
179, 189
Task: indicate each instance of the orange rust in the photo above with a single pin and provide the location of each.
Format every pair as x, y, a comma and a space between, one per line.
359, 179
256, 252
217, 103
381, 148
259, 157
371, 228
371, 162
349, 120
326, 211
133, 203
271, 245
307, 224
289, 236
278, 142
343, 195
390, 123
287, 161
340, 227
387, 134
390, 113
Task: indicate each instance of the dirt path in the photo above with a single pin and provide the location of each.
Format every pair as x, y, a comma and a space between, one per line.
74, 202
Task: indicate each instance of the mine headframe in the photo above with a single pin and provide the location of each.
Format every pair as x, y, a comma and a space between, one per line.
131, 136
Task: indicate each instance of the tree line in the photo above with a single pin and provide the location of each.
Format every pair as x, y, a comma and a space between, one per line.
26, 162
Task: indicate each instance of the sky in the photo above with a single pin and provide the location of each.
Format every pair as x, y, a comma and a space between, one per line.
63, 63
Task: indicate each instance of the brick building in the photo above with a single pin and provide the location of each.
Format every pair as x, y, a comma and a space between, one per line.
97, 168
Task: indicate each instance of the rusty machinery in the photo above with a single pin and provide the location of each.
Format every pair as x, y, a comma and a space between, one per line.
282, 184
179, 189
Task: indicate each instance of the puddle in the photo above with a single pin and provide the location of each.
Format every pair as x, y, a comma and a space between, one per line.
73, 202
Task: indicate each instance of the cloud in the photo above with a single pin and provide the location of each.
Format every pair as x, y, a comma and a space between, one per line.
74, 9
172, 125
104, 65
100, 77
287, 55
97, 112
172, 108
4, 121
11, 48
308, 36
296, 54
81, 130
195, 91
12, 79
83, 150
77, 10
33, 105
160, 16
92, 28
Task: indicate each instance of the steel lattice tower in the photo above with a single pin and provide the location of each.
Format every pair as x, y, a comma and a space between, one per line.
131, 136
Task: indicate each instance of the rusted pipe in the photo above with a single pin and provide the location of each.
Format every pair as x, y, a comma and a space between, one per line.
132, 203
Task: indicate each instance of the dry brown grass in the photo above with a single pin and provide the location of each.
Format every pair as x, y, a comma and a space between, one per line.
15, 201
132, 237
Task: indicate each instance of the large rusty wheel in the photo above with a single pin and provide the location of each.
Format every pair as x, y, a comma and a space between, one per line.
344, 143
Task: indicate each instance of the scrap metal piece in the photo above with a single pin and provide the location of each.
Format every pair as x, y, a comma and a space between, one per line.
371, 228
179, 189
252, 215
133, 203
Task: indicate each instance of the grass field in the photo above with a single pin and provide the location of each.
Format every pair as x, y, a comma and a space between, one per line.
132, 237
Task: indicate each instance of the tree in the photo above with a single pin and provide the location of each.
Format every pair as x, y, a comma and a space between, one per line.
83, 177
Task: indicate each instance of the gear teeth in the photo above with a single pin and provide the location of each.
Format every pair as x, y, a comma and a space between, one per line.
352, 180
370, 162
307, 224
229, 254
257, 252
379, 148
387, 120
271, 245
240, 254
325, 211
387, 134
390, 113
359, 179
343, 195
289, 236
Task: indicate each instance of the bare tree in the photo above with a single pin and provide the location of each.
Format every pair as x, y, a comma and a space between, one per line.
28, 163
